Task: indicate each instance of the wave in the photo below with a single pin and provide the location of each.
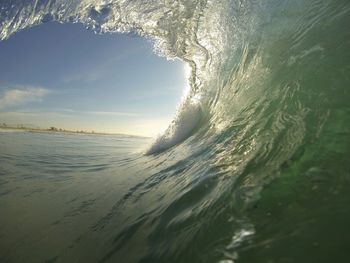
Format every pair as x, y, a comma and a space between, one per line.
187, 120
268, 93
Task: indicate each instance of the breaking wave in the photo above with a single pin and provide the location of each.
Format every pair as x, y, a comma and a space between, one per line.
268, 101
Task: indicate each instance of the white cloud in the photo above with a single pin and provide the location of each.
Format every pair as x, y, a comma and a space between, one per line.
21, 95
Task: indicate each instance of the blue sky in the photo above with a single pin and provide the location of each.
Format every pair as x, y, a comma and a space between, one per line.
66, 76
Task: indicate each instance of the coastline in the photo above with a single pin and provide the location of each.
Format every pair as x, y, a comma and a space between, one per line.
61, 131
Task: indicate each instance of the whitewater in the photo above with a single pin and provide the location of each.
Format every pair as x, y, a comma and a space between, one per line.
253, 168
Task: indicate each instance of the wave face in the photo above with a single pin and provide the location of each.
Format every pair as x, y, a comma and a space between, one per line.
260, 147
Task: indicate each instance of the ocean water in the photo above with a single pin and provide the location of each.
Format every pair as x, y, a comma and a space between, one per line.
253, 168
57, 191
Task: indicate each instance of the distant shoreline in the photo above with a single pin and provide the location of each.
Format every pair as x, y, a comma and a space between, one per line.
58, 131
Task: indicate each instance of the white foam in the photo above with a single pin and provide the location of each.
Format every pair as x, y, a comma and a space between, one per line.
186, 120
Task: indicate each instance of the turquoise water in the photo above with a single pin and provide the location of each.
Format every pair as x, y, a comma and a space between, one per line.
253, 168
